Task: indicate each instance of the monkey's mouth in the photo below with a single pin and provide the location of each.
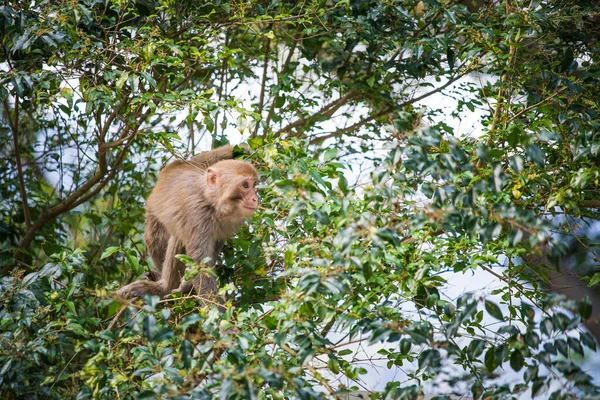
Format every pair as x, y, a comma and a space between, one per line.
251, 208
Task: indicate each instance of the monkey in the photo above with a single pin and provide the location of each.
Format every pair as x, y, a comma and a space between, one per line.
196, 205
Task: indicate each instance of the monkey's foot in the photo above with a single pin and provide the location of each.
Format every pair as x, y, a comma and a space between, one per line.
139, 289
185, 288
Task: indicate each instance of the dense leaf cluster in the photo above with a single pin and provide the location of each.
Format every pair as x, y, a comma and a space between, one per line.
374, 199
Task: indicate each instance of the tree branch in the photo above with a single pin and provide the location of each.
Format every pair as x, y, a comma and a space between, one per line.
14, 126
523, 111
94, 185
112, 117
327, 111
388, 110
263, 86
283, 70
221, 86
590, 204
120, 141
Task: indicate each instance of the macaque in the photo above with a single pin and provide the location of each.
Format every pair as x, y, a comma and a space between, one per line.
195, 206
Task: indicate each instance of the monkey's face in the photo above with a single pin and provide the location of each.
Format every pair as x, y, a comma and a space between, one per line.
232, 189
246, 196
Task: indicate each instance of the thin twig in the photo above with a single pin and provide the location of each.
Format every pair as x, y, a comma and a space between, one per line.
388, 110
221, 84
14, 126
263, 86
523, 111
283, 70
327, 111
116, 317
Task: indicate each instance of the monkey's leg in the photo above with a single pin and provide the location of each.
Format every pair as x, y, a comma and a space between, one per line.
156, 239
172, 273
173, 269
197, 253
205, 284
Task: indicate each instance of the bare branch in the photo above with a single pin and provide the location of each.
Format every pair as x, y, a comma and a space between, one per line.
327, 111
14, 126
590, 204
88, 190
222, 84
523, 111
283, 70
121, 140
105, 180
111, 118
388, 110
263, 86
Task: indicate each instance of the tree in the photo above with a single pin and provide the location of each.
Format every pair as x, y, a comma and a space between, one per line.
98, 95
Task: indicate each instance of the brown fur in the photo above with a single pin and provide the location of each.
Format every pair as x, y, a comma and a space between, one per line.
195, 206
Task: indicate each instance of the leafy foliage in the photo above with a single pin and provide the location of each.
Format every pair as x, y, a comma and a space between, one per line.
373, 199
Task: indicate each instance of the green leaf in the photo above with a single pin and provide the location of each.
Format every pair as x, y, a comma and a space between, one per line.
594, 280
367, 270
567, 59
121, 81
279, 101
3, 93
588, 340
429, 359
532, 339
493, 309
516, 360
575, 345
318, 178
475, 348
330, 154
531, 373
210, 123
477, 389
109, 252
490, 359
585, 308
546, 326
149, 326
451, 57
6, 367
71, 306
226, 389
133, 262
561, 346
333, 365
255, 142
148, 79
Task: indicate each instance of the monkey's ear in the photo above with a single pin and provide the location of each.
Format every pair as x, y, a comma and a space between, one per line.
212, 177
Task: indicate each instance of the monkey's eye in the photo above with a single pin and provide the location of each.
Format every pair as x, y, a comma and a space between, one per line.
245, 185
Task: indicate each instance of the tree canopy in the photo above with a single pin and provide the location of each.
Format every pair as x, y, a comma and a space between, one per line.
402, 145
